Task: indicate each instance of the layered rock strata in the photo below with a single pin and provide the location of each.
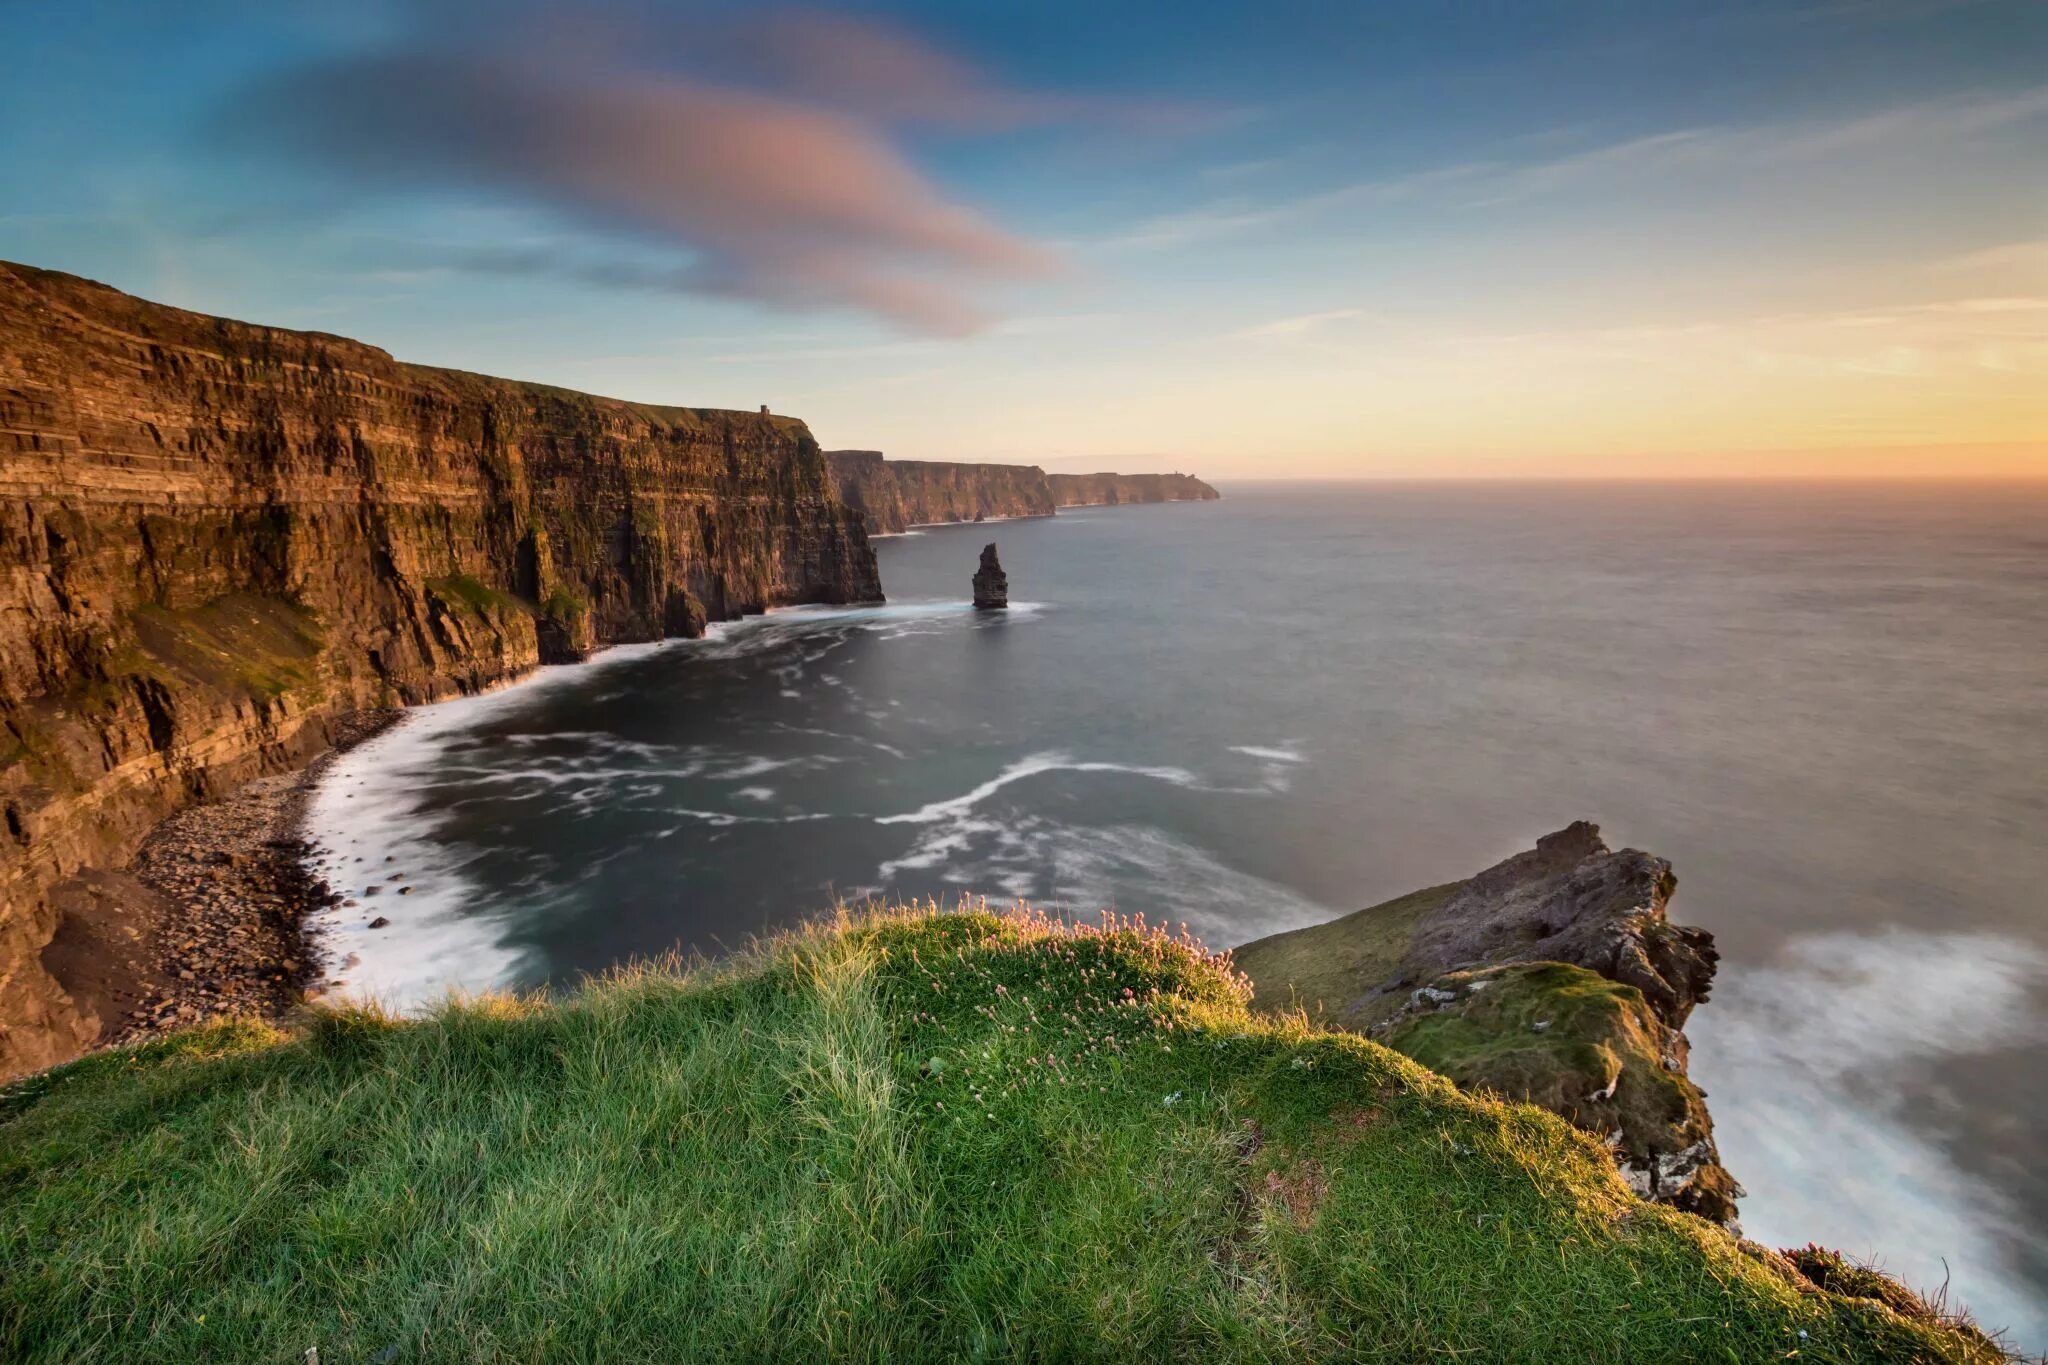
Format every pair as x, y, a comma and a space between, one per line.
217, 538
1554, 977
895, 495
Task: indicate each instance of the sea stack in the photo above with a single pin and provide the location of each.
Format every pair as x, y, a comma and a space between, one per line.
991, 584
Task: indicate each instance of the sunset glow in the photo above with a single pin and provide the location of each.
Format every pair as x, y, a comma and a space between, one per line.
1410, 242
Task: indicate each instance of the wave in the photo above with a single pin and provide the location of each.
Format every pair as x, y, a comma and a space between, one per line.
1029, 767
1289, 752
1080, 870
1802, 1056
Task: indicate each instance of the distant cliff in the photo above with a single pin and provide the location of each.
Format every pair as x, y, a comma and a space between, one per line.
216, 538
897, 494
1101, 490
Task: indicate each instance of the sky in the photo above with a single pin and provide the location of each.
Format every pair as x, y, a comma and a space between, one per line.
1514, 239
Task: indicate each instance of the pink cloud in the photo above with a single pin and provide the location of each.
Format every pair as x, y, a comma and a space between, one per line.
886, 72
789, 192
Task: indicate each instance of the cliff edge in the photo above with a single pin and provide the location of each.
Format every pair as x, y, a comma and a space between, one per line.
1554, 977
218, 538
895, 1135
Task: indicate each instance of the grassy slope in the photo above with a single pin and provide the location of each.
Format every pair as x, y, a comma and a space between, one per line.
907, 1137
1324, 968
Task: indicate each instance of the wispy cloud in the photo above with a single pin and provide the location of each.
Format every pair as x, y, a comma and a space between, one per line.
1299, 325
1488, 182
2027, 260
758, 150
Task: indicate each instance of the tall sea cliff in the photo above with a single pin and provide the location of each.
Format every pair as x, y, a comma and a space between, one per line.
219, 538
895, 495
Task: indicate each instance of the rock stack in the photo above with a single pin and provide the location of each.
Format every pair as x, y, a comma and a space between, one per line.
991, 584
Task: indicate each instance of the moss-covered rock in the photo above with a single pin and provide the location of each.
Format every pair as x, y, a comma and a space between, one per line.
1584, 1047
1555, 977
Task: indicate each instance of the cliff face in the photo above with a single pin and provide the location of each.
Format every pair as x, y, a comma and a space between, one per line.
1099, 490
218, 538
897, 494
1554, 977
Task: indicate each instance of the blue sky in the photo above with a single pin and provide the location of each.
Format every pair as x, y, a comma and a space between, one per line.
1425, 239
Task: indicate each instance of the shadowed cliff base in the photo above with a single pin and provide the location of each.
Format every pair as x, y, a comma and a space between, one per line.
225, 537
895, 495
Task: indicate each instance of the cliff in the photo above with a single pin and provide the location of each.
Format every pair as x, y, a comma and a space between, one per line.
218, 538
1102, 490
895, 495
1554, 977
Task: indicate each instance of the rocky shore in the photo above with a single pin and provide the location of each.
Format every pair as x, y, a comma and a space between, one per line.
209, 917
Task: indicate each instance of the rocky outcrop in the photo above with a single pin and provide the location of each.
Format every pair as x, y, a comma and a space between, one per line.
1570, 899
217, 538
991, 584
1554, 977
1106, 490
895, 495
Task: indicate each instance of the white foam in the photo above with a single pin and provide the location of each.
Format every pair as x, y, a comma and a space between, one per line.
1796, 1055
371, 801
752, 767
370, 804
1079, 869
1029, 767
1290, 752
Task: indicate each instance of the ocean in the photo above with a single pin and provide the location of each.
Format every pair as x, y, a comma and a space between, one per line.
1826, 704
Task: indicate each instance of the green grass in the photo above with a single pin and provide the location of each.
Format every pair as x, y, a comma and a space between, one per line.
485, 601
260, 646
904, 1136
1325, 968
1596, 1036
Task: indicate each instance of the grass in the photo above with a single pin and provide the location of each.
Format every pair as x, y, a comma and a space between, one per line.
1555, 1035
243, 642
900, 1136
1325, 968
480, 598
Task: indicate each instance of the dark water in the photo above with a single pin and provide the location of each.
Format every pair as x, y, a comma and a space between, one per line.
1828, 706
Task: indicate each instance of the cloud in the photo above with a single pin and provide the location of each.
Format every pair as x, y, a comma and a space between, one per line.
881, 71
2027, 260
1300, 325
781, 186
1489, 182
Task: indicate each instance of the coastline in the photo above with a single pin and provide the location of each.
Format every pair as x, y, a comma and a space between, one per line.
916, 526
211, 916
231, 907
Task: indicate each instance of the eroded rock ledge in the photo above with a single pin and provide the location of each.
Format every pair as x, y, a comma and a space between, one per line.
1554, 977
218, 538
